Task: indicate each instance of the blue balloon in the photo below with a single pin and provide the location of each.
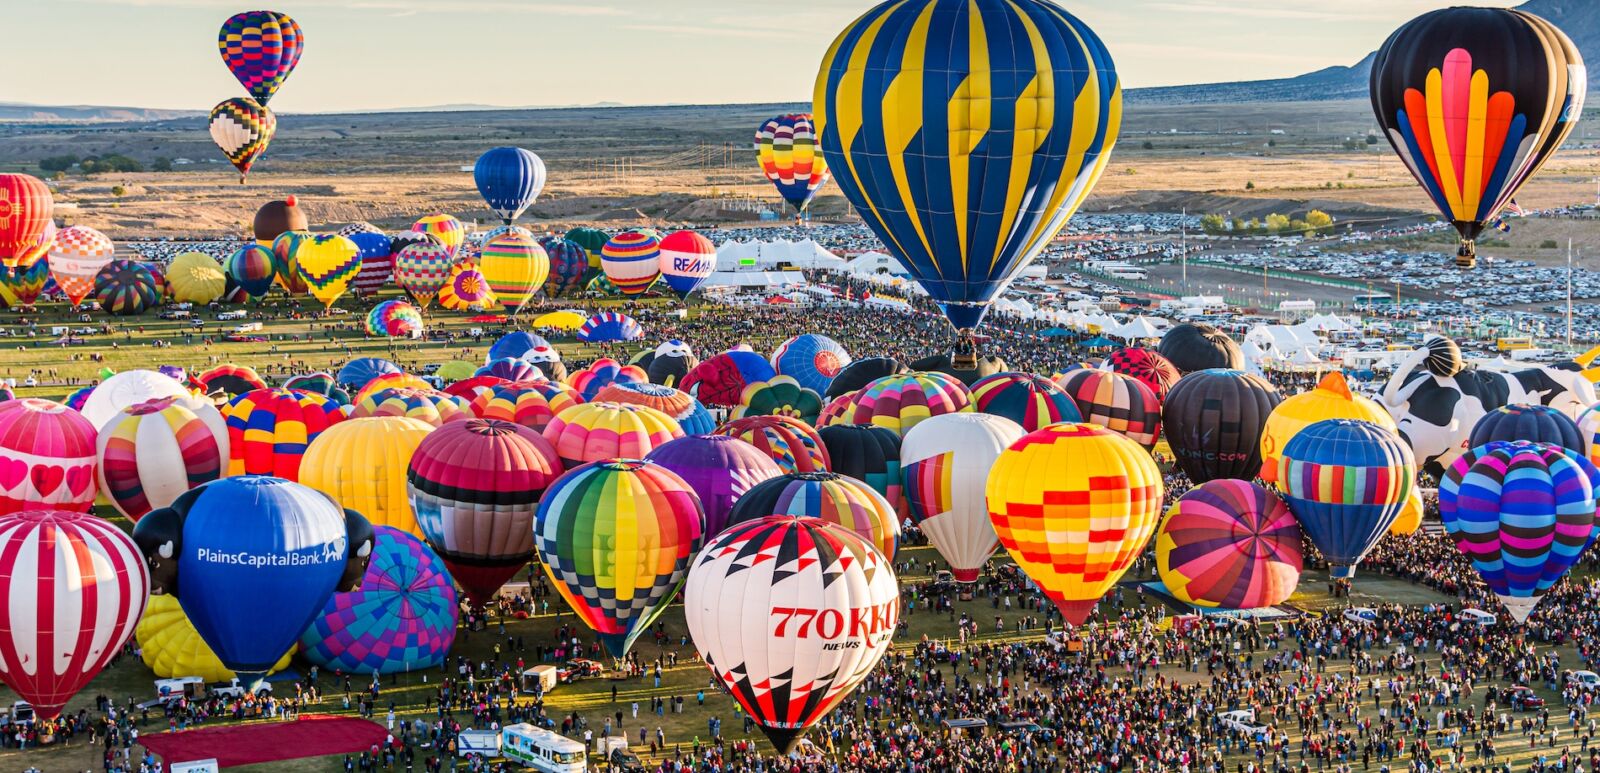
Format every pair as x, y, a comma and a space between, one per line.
514, 345
357, 372
256, 559
811, 359
509, 179
1531, 423
371, 245
1346, 482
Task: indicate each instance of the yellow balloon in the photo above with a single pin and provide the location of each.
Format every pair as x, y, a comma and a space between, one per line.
1074, 504
560, 320
327, 263
171, 647
362, 464
1332, 399
1410, 518
196, 277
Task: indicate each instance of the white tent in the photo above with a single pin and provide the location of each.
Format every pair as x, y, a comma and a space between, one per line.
1282, 341
767, 256
1137, 329
874, 262
1327, 322
753, 279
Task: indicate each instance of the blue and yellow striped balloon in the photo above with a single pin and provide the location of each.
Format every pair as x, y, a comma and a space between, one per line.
966, 133
1346, 481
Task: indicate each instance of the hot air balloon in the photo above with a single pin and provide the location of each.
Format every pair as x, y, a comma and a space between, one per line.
601, 373
1194, 346
509, 179
261, 48
171, 647
790, 442
1154, 370
593, 432
616, 538
75, 588
474, 488
511, 369
275, 218
868, 454
445, 228
860, 373
609, 326
899, 402
78, 398
466, 289
515, 344
125, 288
779, 396
402, 618
568, 263
395, 380
253, 559
422, 270
811, 359
1031, 402
360, 371
632, 260
1410, 518
1214, 420
718, 468
1531, 423
515, 267
1332, 399
692, 417
791, 615
47, 457
38, 250
1522, 513
27, 215
76, 257
1475, 101
721, 380
155, 451
24, 285
1346, 481
128, 388
242, 128
429, 406
1104, 501
269, 429
929, 146
531, 404
834, 498
945, 462
687, 259
394, 319
672, 361
319, 383
790, 156
592, 240
362, 463
228, 379
1117, 402
250, 267
285, 252
560, 320
197, 278
376, 253
1231, 544
327, 263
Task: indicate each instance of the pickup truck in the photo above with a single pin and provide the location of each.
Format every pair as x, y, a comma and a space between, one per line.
1243, 720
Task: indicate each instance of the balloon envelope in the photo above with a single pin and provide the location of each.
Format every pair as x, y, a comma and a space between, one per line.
1346, 481
1231, 544
509, 179
946, 462
1214, 421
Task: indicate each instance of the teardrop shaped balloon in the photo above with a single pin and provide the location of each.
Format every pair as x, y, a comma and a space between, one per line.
790, 155
25, 209
1475, 101
242, 128
509, 179
966, 133
261, 48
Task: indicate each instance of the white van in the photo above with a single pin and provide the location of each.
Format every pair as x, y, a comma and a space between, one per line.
1479, 618
541, 749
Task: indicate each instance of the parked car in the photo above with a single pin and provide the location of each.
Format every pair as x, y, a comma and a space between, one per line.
1244, 721
579, 668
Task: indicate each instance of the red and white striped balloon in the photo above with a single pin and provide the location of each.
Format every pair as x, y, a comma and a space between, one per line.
76, 587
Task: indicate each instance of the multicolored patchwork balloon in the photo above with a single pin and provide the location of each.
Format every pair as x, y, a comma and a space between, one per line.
1346, 481
261, 48
269, 430
593, 432
47, 457
1032, 402
76, 256
616, 538
242, 128
402, 618
1522, 513
422, 270
1231, 544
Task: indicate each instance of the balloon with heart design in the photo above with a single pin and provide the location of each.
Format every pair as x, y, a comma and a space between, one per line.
47, 457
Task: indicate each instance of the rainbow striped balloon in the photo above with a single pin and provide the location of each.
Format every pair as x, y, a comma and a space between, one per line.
790, 442
834, 498
515, 267
616, 538
429, 406
152, 452
632, 261
1522, 513
592, 432
1346, 480
531, 404
1229, 543
899, 402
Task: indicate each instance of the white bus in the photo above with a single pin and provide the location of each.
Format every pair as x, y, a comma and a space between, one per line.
541, 749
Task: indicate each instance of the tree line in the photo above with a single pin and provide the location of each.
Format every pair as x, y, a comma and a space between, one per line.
1315, 222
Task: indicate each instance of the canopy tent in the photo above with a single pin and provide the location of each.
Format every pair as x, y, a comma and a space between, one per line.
1327, 322
1137, 329
753, 279
1056, 332
738, 256
1280, 342
874, 262
1100, 342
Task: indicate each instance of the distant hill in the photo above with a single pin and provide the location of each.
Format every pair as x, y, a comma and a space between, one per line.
1578, 18
17, 111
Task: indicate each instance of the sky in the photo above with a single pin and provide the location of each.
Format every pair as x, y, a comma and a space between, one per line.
377, 54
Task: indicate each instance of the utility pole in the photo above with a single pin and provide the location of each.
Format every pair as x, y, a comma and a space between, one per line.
1183, 247
1569, 294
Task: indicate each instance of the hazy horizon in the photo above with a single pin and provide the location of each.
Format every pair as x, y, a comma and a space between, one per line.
366, 55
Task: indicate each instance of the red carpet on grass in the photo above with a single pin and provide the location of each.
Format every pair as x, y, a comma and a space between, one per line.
310, 736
